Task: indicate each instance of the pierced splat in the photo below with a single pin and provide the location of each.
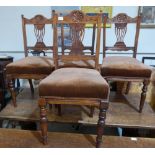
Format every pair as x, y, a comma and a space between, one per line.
39, 31
120, 30
77, 32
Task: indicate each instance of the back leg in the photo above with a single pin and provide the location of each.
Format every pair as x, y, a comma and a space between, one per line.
12, 91
128, 87
31, 85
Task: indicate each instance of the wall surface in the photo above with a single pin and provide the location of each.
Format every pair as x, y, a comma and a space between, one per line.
11, 29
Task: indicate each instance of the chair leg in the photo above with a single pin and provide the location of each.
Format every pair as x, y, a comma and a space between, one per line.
101, 122
92, 109
43, 120
58, 106
59, 109
12, 91
128, 87
143, 94
31, 85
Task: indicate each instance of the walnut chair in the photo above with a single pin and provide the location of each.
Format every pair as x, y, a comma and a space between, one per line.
124, 68
75, 86
65, 47
31, 67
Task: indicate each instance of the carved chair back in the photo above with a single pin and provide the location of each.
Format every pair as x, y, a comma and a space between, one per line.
39, 23
120, 23
64, 28
77, 21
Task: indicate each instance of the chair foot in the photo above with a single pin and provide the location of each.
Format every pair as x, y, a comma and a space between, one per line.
44, 140
43, 120
31, 86
143, 94
101, 122
13, 94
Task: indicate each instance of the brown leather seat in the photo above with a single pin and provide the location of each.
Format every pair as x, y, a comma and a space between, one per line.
79, 64
124, 67
74, 82
31, 65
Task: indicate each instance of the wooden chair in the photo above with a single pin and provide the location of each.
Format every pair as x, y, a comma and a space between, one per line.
65, 48
123, 68
75, 86
31, 67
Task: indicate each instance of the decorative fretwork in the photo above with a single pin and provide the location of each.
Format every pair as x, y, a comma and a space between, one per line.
77, 32
39, 30
120, 29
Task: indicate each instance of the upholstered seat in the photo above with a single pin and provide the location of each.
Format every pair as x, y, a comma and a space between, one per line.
79, 64
31, 65
124, 67
74, 82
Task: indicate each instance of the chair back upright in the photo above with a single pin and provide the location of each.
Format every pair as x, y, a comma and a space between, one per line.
77, 21
120, 23
39, 23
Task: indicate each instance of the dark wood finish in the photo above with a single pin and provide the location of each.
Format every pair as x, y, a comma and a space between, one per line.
101, 122
76, 20
13, 138
65, 47
128, 87
39, 22
143, 94
11, 88
121, 112
3, 83
76, 50
77, 45
31, 85
121, 21
43, 119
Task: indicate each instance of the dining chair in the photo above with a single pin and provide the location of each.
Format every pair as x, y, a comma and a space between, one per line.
124, 68
64, 42
32, 67
73, 85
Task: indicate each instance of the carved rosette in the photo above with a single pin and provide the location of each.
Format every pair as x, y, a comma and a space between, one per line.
120, 29
77, 32
39, 31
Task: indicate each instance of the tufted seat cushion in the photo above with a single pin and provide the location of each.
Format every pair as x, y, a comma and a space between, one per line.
74, 82
122, 66
31, 65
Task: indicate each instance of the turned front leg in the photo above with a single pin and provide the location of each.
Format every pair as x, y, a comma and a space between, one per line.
101, 122
143, 94
43, 120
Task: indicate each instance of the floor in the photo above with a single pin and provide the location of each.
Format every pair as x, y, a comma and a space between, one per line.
122, 120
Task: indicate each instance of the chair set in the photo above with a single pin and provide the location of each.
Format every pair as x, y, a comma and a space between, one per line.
75, 77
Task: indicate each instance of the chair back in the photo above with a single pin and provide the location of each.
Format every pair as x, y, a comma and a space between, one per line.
64, 37
39, 23
120, 24
77, 21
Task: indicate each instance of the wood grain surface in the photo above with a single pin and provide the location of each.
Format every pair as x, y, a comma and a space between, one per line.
13, 138
122, 111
